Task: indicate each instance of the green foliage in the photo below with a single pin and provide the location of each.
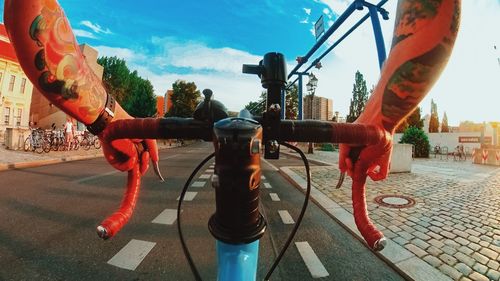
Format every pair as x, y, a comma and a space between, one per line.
257, 107
434, 122
292, 102
444, 124
359, 98
327, 147
185, 98
143, 101
419, 139
413, 120
134, 94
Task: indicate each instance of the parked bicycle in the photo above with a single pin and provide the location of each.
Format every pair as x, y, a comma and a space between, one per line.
35, 141
89, 140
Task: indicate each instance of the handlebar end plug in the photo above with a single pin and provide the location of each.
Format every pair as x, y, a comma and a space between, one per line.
380, 244
102, 232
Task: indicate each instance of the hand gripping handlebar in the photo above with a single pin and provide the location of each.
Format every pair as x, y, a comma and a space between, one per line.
302, 131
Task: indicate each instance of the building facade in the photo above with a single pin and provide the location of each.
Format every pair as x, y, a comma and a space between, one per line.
15, 89
44, 114
160, 106
168, 100
322, 108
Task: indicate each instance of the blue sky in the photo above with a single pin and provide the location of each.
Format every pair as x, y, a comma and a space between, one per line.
207, 41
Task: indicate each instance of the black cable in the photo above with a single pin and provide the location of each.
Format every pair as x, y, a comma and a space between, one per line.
181, 236
302, 212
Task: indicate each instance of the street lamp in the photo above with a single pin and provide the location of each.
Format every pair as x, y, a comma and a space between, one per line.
311, 88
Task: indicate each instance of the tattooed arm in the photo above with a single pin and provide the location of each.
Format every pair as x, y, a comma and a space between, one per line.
51, 58
424, 35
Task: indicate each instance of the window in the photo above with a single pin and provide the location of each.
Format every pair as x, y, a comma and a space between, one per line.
19, 116
23, 85
12, 82
6, 113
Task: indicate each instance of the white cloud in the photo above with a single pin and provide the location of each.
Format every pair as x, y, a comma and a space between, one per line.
95, 27
337, 6
216, 68
83, 33
306, 20
197, 56
308, 11
128, 55
326, 11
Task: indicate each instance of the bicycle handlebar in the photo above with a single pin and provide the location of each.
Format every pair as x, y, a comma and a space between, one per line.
290, 130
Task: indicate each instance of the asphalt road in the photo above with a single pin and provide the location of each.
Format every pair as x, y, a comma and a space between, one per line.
48, 217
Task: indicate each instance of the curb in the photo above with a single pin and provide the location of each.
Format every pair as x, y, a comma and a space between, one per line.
33, 164
406, 263
44, 162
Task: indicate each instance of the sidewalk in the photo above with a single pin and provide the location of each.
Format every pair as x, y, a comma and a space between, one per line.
451, 232
18, 159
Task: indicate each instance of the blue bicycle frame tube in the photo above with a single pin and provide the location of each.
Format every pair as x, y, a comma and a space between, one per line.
237, 262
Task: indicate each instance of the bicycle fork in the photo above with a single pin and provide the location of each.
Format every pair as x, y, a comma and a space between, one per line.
237, 223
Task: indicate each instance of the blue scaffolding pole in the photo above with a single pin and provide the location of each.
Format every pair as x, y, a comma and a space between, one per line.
377, 30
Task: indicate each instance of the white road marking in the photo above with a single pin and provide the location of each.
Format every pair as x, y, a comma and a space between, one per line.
211, 166
267, 185
267, 162
96, 176
285, 217
210, 171
130, 256
170, 157
168, 216
189, 196
274, 196
198, 184
312, 261
205, 176
263, 177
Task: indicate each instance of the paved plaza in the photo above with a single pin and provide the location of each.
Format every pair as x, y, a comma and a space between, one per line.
453, 226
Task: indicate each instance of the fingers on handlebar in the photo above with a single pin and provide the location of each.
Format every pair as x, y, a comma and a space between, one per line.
115, 222
373, 237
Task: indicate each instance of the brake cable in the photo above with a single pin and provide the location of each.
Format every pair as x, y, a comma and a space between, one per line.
302, 212
181, 236
187, 254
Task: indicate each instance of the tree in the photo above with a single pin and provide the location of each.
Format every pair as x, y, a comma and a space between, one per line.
292, 102
134, 94
185, 98
257, 107
444, 124
434, 122
413, 120
359, 98
142, 102
419, 139
115, 77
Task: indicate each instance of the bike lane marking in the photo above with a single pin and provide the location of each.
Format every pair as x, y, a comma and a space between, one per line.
96, 176
130, 256
111, 173
168, 216
286, 218
267, 185
205, 176
314, 265
189, 196
274, 197
198, 184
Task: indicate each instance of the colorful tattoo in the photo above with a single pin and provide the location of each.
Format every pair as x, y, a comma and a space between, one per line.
418, 66
65, 77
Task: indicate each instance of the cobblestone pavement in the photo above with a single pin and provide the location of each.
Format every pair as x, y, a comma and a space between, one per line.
454, 225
